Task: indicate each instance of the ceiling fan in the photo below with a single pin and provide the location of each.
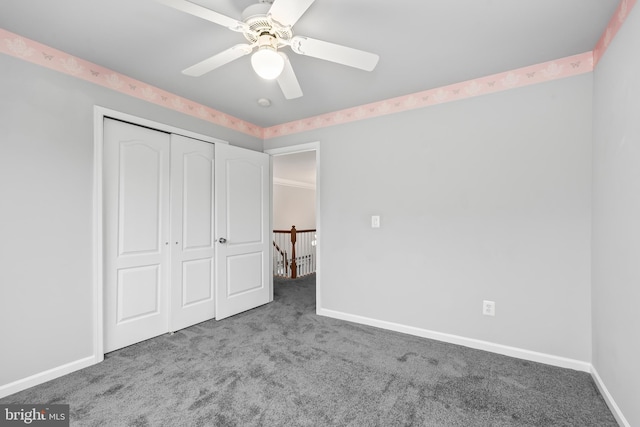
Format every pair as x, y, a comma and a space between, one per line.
267, 27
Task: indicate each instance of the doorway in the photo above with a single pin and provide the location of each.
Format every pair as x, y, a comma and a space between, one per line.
297, 163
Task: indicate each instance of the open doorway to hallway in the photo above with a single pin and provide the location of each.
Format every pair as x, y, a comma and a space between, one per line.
294, 214
295, 203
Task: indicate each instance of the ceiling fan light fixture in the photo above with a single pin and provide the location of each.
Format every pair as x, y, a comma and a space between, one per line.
267, 63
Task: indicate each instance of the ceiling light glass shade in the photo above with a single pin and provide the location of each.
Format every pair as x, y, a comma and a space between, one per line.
267, 63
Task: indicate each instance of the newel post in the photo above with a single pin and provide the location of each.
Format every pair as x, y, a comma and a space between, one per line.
294, 267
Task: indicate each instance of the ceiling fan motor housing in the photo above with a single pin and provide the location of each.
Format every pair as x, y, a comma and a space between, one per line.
256, 17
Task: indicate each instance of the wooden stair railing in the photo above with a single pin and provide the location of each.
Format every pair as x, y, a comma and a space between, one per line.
290, 266
283, 255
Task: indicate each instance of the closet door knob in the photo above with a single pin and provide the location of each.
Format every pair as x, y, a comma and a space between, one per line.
222, 240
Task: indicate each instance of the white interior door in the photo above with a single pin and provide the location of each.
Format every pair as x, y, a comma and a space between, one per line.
243, 263
136, 232
192, 239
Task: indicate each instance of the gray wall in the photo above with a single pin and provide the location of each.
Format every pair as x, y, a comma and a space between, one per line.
616, 219
486, 198
46, 167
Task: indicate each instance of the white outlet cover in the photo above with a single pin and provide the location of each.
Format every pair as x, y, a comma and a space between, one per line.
488, 308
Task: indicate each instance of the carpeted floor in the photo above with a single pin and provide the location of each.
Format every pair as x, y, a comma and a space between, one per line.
281, 365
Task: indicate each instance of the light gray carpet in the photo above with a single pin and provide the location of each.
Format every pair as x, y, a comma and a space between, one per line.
281, 365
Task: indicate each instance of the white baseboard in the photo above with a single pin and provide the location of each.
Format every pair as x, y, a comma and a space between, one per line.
42, 377
615, 409
533, 356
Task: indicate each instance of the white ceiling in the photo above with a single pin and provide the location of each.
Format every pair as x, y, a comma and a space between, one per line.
423, 44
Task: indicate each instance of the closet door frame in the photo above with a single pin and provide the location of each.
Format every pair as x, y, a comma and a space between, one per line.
99, 114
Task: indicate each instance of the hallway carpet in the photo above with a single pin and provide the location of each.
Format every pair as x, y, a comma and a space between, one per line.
282, 365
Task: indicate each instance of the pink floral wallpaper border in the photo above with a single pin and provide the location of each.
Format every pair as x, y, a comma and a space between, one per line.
29, 50
618, 18
565, 67
37, 53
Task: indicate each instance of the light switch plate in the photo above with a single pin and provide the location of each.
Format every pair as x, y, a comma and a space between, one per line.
375, 221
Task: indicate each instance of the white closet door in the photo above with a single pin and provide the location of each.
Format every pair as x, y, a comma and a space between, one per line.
192, 239
243, 264
136, 233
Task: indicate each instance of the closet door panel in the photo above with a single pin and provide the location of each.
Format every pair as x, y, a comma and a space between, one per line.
243, 255
136, 231
196, 282
197, 187
192, 213
138, 291
139, 198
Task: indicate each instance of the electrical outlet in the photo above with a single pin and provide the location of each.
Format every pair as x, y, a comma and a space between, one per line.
488, 308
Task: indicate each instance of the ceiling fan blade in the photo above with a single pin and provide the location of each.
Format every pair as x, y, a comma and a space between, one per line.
288, 81
287, 12
208, 14
334, 52
218, 60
